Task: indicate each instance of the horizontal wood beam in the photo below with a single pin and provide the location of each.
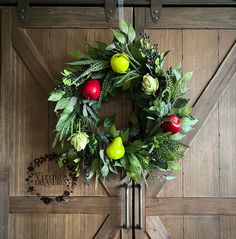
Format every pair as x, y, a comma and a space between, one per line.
214, 90
126, 2
188, 17
74, 205
33, 60
190, 206
69, 17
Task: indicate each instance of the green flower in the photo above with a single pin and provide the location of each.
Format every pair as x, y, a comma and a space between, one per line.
79, 140
150, 84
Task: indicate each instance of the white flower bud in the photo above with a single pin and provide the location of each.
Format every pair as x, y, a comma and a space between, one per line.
150, 84
79, 140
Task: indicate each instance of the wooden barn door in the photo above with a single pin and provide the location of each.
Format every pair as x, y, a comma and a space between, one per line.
201, 201
33, 55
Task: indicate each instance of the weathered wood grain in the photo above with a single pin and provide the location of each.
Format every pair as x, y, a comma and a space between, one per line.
196, 227
28, 226
75, 205
188, 17
69, 17
216, 88
190, 206
109, 229
174, 225
227, 129
29, 116
156, 229
74, 226
33, 60
5, 102
227, 227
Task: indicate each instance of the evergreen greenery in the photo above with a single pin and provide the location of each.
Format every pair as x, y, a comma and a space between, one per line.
147, 147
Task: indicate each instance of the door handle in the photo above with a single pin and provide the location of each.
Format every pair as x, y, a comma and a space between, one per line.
140, 206
126, 205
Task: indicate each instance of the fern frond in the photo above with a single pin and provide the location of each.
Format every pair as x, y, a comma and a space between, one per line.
105, 86
101, 65
82, 63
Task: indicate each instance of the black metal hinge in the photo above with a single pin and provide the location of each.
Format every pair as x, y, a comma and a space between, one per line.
110, 9
22, 9
156, 6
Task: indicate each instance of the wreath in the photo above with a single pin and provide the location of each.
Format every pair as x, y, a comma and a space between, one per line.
159, 120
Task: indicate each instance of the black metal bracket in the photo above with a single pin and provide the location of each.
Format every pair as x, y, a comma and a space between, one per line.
22, 9
156, 6
110, 9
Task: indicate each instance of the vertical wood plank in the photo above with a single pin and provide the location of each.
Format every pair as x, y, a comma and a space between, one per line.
65, 226
200, 55
227, 227
170, 39
226, 40
227, 129
198, 227
28, 226
30, 131
5, 79
201, 163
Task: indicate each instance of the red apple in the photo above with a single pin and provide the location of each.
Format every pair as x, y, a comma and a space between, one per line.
91, 89
173, 125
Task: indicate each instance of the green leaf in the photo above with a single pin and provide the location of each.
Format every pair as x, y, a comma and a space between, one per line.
187, 76
105, 170
157, 61
55, 96
169, 177
185, 111
72, 154
123, 26
77, 54
117, 164
61, 121
135, 167
173, 165
95, 166
76, 160
62, 104
131, 33
61, 161
134, 119
113, 130
125, 163
188, 121
119, 36
102, 154
134, 147
125, 135
176, 74
111, 47
70, 107
108, 122
85, 112
177, 136
186, 128
180, 103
